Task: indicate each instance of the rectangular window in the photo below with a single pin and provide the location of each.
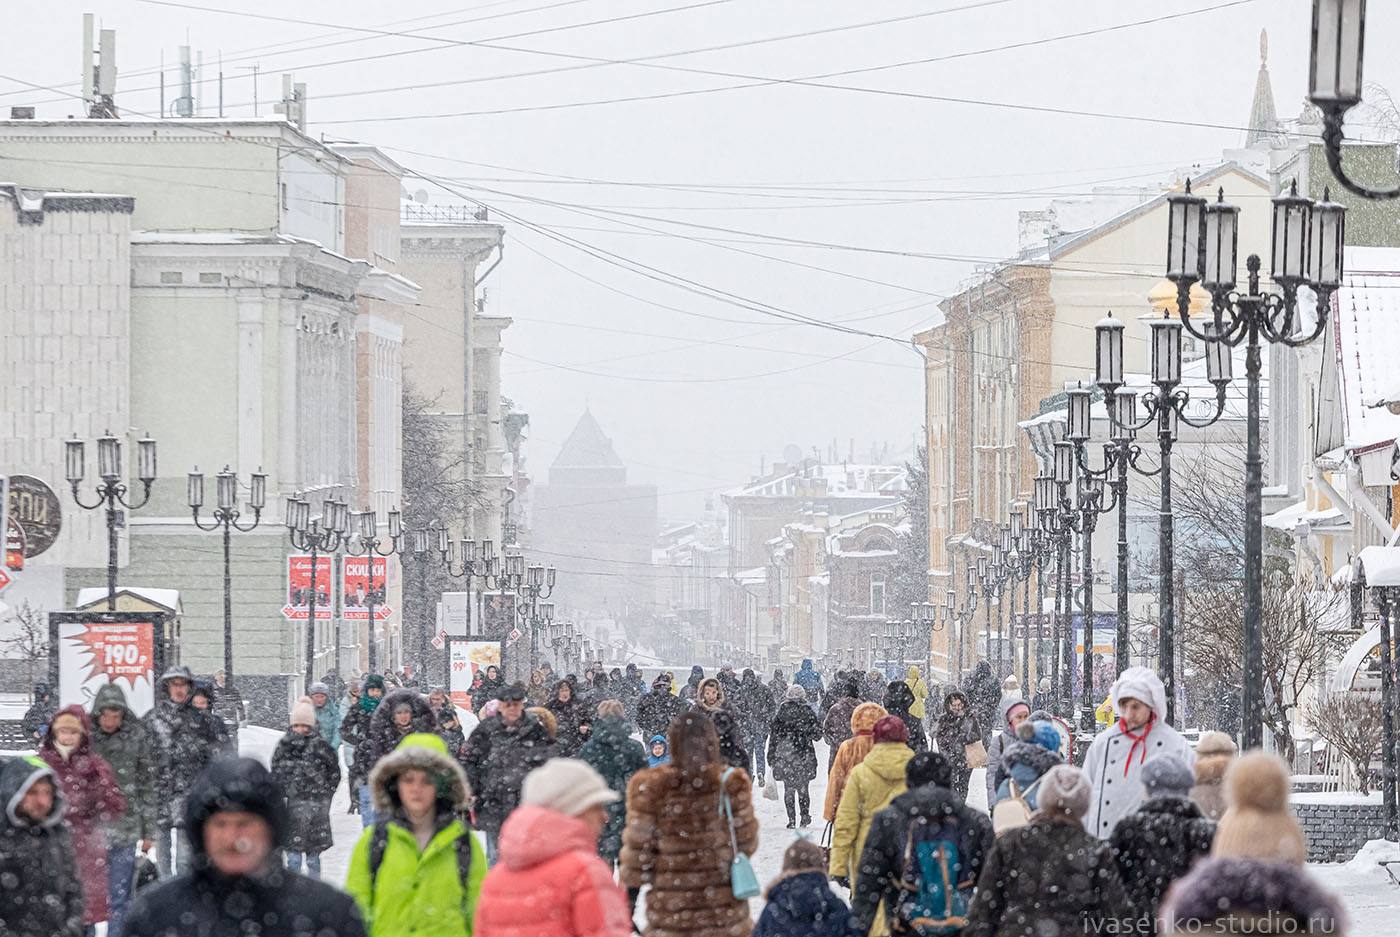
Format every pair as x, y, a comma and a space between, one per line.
171, 277
211, 279
877, 597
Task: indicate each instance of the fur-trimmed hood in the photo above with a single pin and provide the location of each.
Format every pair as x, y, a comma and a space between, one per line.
864, 717
1210, 768
425, 752
1217, 888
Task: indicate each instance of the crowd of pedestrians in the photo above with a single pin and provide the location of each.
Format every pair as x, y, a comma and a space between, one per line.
581, 821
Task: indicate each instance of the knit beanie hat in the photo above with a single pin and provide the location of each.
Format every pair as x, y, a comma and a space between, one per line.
1258, 824
928, 768
318, 688
1216, 743
890, 729
1043, 734
795, 692
1018, 704
373, 681
1167, 774
304, 713
1064, 789
566, 785
804, 856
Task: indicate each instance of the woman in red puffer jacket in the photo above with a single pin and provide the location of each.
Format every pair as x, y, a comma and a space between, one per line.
548, 880
94, 801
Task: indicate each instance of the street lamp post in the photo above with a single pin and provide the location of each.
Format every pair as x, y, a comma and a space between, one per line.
1202, 245
1338, 39
226, 516
367, 536
1166, 405
325, 534
538, 585
111, 491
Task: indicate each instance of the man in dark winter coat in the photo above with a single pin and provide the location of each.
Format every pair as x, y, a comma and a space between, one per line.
778, 685
692, 684
236, 816
616, 756
122, 739
756, 708
811, 682
631, 690
929, 806
354, 731
792, 755
501, 750
899, 699
1161, 840
184, 740
983, 694
659, 708
837, 726
39, 889
37, 717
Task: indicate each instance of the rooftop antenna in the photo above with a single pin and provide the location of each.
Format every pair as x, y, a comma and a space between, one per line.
293, 102
100, 80
184, 104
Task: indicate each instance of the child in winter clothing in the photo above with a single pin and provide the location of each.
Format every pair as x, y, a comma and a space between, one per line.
1163, 838
548, 880
659, 753
1036, 750
1254, 881
307, 768
800, 903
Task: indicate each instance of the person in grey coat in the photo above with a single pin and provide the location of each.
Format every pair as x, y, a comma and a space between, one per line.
1010, 714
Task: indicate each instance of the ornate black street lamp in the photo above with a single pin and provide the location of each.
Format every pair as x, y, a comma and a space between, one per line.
226, 516
1202, 245
366, 536
1338, 39
538, 585
111, 491
325, 534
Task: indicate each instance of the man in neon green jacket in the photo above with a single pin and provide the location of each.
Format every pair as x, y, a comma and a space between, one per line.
419, 868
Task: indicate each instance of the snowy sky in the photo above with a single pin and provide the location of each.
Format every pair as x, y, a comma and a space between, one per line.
694, 394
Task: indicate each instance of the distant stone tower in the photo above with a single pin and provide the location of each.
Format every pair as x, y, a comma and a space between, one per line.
596, 529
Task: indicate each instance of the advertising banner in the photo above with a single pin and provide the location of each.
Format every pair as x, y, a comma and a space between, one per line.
299, 587
465, 658
359, 587
98, 648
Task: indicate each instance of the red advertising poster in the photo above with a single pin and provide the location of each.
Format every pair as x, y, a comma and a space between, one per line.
93, 653
299, 587
360, 588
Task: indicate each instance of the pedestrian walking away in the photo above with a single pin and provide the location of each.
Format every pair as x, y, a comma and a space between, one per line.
837, 725
1116, 757
799, 901
810, 681
1051, 876
549, 881
756, 707
41, 893
792, 754
615, 756
922, 856
679, 841
851, 753
914, 677
94, 802
306, 767
1214, 754
981, 697
237, 821
35, 721
1163, 838
1254, 881
899, 701
418, 870
122, 740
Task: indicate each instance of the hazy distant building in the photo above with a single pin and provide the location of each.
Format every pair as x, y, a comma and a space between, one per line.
597, 529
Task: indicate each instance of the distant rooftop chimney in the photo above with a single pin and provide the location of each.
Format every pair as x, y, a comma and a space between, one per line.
21, 113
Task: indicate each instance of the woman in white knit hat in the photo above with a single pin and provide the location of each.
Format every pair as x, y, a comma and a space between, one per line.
1051, 876
309, 771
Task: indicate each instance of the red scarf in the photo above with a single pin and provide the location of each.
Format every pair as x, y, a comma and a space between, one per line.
1137, 740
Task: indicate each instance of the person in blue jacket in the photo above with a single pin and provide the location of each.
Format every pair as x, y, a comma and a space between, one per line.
658, 752
811, 682
800, 902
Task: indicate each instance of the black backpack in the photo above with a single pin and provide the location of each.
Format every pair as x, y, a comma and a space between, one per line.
379, 841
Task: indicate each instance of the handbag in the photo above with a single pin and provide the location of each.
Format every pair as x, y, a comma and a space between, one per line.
827, 835
742, 880
770, 790
976, 754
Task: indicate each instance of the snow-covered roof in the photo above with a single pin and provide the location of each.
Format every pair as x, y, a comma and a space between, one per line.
166, 598
1381, 565
1366, 329
1288, 519
848, 479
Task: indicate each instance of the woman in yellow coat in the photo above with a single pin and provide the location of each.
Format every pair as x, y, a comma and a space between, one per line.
851, 753
873, 783
920, 690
